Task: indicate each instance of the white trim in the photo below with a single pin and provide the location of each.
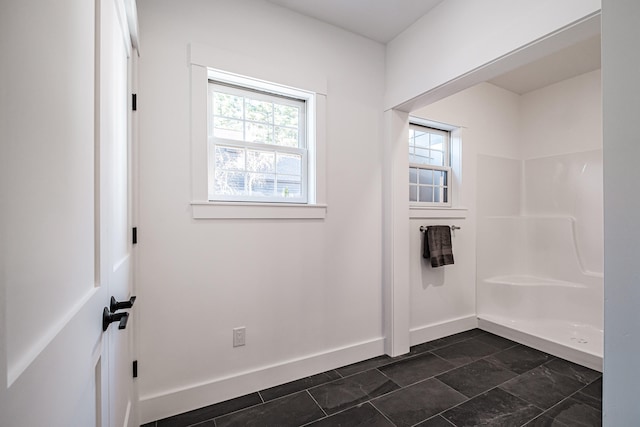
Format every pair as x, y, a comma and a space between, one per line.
455, 162
423, 212
203, 57
432, 124
241, 84
434, 331
576, 356
237, 63
395, 233
175, 401
240, 210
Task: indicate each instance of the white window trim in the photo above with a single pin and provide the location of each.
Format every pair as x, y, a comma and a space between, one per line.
204, 58
424, 212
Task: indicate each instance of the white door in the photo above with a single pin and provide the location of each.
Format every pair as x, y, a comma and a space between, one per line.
64, 216
116, 257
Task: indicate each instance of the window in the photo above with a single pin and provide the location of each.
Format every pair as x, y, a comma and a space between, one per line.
429, 166
258, 144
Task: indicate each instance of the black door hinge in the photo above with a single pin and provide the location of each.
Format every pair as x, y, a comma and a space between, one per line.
134, 235
134, 101
135, 369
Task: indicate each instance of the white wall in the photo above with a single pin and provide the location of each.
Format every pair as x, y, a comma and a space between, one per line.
621, 107
459, 36
489, 119
308, 291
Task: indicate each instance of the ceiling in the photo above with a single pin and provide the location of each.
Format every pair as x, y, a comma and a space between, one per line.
577, 59
379, 20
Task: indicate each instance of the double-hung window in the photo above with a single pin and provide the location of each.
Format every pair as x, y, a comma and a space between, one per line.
258, 145
429, 166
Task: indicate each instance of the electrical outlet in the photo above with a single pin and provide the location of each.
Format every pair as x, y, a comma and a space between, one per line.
239, 335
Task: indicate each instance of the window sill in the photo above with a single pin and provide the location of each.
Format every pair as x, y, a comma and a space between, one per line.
235, 210
421, 212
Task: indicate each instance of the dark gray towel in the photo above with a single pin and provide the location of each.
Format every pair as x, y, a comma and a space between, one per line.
437, 245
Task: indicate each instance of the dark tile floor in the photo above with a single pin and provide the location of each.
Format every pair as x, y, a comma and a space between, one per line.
469, 379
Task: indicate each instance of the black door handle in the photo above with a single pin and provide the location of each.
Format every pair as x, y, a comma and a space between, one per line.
109, 317
119, 305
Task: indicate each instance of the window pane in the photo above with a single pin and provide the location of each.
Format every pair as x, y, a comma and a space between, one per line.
425, 176
261, 184
261, 161
440, 194
413, 193
229, 158
422, 140
260, 125
227, 105
413, 175
256, 132
440, 177
259, 111
227, 128
289, 186
426, 194
445, 195
229, 183
421, 156
286, 137
437, 158
286, 115
437, 142
289, 164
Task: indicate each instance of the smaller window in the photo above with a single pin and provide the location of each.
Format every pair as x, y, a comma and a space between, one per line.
429, 166
258, 145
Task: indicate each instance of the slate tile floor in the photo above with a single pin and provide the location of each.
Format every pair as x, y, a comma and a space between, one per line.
469, 379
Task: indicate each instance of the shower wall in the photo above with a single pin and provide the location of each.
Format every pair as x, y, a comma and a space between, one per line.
561, 128
557, 173
540, 224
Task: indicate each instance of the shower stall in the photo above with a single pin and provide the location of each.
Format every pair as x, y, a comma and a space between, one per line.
539, 272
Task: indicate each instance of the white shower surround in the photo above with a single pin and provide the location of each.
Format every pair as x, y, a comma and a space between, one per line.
540, 225
547, 299
539, 276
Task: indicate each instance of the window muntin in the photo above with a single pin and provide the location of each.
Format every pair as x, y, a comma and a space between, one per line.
257, 146
429, 166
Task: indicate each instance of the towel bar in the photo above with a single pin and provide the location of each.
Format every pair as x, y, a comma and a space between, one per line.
453, 227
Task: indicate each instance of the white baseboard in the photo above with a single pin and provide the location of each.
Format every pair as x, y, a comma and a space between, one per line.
171, 402
442, 329
551, 347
